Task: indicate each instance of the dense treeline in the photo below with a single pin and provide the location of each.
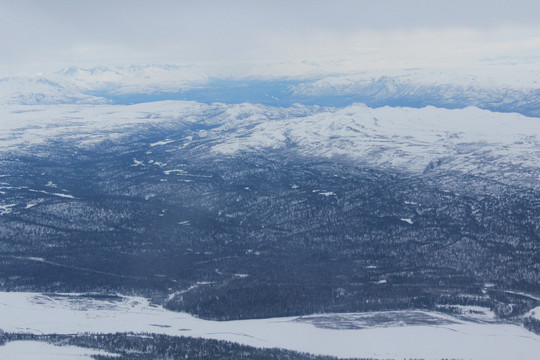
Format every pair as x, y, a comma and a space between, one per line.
262, 235
131, 346
532, 324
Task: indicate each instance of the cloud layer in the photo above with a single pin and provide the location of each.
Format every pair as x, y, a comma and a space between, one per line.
397, 33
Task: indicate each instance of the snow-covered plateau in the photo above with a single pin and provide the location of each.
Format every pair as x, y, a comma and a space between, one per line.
399, 334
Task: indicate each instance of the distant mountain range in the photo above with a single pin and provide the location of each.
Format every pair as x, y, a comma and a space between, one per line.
518, 91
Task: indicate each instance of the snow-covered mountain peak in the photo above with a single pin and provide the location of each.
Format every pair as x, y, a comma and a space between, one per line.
469, 140
41, 90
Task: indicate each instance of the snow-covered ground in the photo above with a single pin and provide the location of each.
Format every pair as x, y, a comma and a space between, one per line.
403, 334
468, 140
472, 141
535, 313
32, 350
73, 85
86, 125
484, 77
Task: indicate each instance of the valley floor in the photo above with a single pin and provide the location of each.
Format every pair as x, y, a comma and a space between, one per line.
398, 334
32, 350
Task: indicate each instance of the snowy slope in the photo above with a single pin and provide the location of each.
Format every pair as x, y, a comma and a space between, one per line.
470, 141
84, 125
496, 88
489, 75
133, 78
501, 146
41, 90
88, 84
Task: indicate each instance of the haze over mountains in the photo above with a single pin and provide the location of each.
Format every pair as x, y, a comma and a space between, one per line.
286, 84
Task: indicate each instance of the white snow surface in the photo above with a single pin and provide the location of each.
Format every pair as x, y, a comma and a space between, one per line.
133, 78
37, 89
470, 140
449, 337
34, 350
162, 142
6, 208
535, 313
73, 84
88, 125
482, 77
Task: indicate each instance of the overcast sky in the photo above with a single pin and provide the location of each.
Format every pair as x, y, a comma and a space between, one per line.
406, 33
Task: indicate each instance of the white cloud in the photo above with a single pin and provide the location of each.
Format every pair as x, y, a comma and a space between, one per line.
392, 33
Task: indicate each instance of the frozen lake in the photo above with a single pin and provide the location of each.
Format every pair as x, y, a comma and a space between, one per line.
396, 334
33, 350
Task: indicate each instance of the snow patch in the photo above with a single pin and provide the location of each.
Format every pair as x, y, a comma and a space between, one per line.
327, 193
175, 171
6, 209
162, 142
324, 193
32, 258
67, 196
51, 184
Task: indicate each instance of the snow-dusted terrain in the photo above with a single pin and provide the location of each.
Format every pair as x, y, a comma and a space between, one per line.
196, 167
134, 78
470, 140
303, 180
505, 147
491, 85
487, 75
78, 85
400, 334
